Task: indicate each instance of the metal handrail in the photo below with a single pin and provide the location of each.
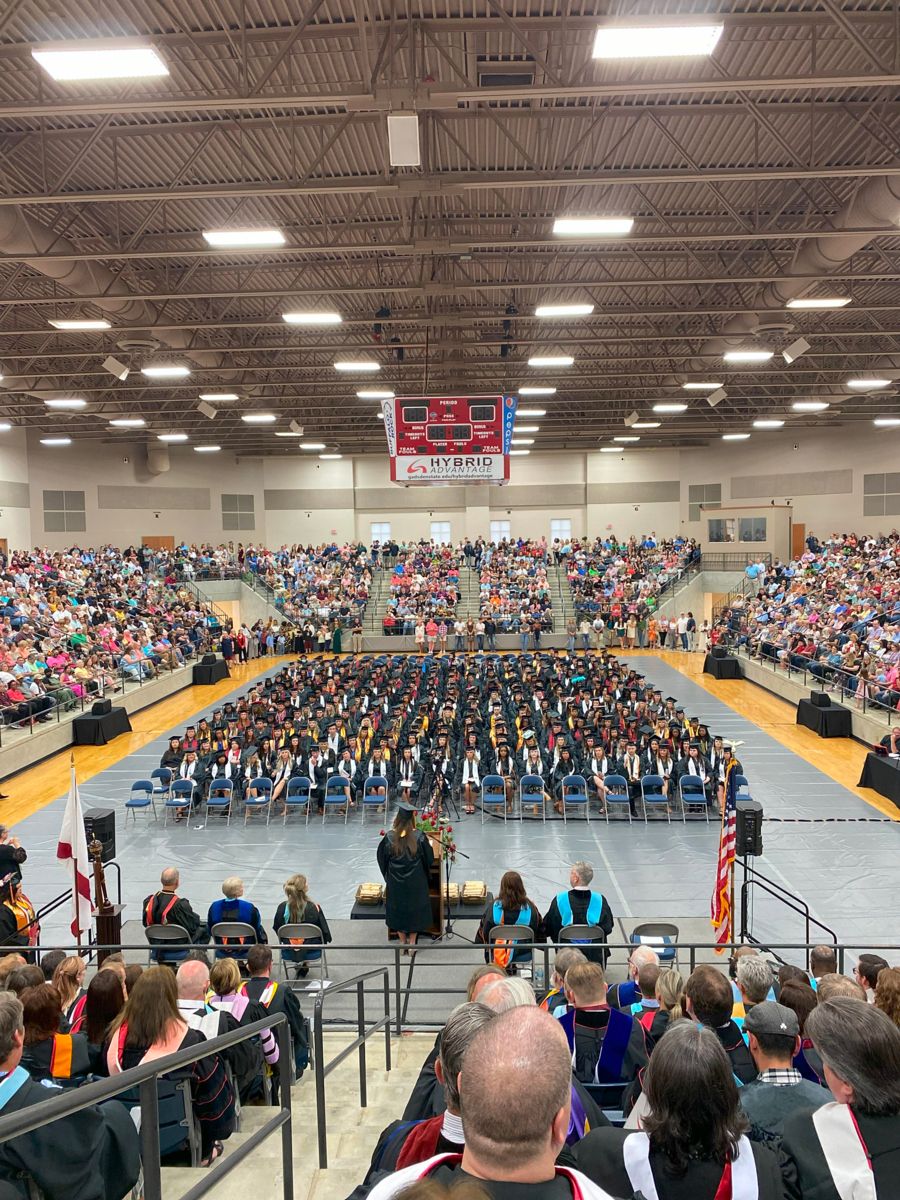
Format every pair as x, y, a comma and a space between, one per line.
145, 1077
754, 878
359, 1043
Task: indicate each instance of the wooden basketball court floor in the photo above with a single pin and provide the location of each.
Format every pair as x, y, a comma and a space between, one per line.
826, 840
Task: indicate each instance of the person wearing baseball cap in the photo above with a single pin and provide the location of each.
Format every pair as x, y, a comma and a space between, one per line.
773, 1034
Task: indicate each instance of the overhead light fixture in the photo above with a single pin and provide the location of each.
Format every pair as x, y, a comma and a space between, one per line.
646, 425
312, 445
289, 433
537, 391
114, 367
166, 371
518, 452
361, 364
221, 397
5, 427
403, 139
77, 323
564, 310
375, 394
612, 450
768, 423
109, 58
735, 437
704, 386
716, 397
56, 441
886, 422
522, 441
531, 412
819, 302
810, 405
259, 418
71, 402
656, 41
312, 318
248, 239
128, 422
171, 437
551, 360
792, 352
865, 385
206, 449
331, 457
527, 429
627, 437
380, 415
748, 356
668, 407
592, 226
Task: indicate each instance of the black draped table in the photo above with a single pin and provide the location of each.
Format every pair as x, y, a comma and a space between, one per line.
833, 721
882, 774
211, 672
97, 731
722, 668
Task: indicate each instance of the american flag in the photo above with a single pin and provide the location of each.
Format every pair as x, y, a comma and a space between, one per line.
720, 908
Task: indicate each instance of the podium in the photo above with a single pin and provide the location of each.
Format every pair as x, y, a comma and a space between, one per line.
436, 887
109, 929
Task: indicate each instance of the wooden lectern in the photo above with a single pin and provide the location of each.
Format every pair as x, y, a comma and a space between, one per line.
107, 916
436, 886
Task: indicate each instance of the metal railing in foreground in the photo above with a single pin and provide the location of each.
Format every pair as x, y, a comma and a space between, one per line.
363, 1033
145, 1078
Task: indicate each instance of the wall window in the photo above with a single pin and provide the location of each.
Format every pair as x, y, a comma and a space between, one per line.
707, 494
752, 529
440, 532
721, 529
64, 512
238, 512
560, 528
881, 495
380, 531
499, 530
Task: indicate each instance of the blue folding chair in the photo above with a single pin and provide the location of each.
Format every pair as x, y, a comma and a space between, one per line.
219, 797
692, 792
336, 795
180, 800
297, 796
660, 936
493, 795
575, 796
141, 796
617, 795
653, 796
162, 782
372, 797
259, 797
531, 793
742, 788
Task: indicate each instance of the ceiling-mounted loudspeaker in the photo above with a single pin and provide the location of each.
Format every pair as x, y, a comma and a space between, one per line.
403, 139
632, 418
795, 349
296, 427
115, 368
206, 409
716, 397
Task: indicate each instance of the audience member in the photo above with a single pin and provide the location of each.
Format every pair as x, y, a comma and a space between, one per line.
68, 979
166, 907
104, 1000
233, 908
887, 993
623, 995
580, 906
708, 1001
245, 1058
299, 909
511, 907
832, 986
609, 1044
262, 988
50, 960
754, 981
669, 996
822, 961
49, 1054
866, 972
227, 994
555, 1001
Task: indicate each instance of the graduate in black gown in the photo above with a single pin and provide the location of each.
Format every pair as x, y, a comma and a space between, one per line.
405, 858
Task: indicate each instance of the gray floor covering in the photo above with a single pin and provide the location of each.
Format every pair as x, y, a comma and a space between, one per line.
846, 871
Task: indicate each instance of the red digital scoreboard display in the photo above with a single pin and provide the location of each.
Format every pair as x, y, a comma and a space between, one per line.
449, 439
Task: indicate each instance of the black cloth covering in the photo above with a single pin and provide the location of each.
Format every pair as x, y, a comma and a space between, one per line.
97, 731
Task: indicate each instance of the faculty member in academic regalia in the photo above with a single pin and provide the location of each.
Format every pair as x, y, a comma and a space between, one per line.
405, 858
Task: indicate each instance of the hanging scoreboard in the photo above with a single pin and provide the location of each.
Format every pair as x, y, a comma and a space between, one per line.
449, 439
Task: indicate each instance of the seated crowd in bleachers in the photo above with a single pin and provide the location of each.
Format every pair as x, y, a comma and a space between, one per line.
834, 611
513, 588
424, 586
616, 580
78, 623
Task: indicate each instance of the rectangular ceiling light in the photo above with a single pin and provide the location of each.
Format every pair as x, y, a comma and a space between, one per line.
646, 425
865, 385
706, 386
206, 449
212, 397
819, 302
362, 364
537, 391
669, 408
171, 437
331, 457
531, 412
312, 445
522, 441
527, 429
375, 394
103, 59
56, 441
259, 418
748, 356
612, 449
564, 310
311, 318
248, 239
403, 139
735, 437
810, 405
76, 323
67, 402
656, 41
128, 422
768, 423
551, 360
166, 372
518, 453
886, 422
592, 226
627, 437
288, 433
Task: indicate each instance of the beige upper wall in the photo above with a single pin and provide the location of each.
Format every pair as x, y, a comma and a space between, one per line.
301, 498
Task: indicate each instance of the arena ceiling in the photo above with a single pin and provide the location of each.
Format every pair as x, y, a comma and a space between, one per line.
763, 172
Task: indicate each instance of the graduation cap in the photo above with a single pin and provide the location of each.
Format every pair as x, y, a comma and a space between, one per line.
648, 729
670, 700
695, 745
405, 806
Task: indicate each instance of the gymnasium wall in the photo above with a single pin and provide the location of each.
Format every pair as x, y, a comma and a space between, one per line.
839, 478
